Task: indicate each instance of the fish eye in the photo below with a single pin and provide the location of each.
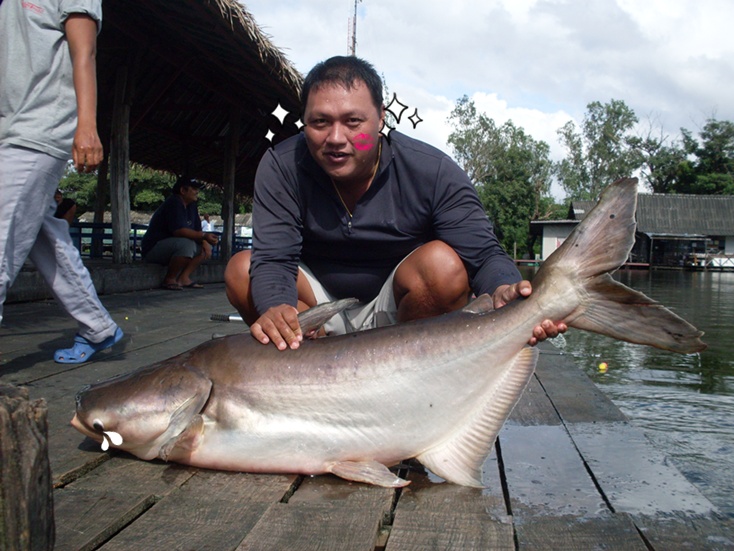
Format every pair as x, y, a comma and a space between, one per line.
98, 425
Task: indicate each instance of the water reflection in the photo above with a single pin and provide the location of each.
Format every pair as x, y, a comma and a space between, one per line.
685, 404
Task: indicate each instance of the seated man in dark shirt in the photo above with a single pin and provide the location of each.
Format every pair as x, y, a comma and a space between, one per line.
342, 211
174, 237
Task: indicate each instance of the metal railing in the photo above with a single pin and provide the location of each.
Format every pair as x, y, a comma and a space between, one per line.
94, 240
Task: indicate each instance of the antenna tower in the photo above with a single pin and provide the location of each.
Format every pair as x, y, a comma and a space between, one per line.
352, 31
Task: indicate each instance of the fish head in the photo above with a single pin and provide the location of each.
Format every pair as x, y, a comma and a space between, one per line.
142, 411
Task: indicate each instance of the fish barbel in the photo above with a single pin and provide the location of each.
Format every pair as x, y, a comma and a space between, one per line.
438, 389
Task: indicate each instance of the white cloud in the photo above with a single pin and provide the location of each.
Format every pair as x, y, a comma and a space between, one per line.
537, 62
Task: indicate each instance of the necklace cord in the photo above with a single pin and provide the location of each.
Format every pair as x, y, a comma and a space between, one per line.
372, 177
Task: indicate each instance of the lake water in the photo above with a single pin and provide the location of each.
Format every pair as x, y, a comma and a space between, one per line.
685, 404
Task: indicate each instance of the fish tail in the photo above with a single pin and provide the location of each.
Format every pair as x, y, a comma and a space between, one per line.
598, 246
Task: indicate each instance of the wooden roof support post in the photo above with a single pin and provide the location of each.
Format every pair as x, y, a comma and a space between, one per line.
26, 498
230, 165
120, 167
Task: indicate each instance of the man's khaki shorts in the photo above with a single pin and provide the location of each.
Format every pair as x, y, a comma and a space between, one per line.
379, 312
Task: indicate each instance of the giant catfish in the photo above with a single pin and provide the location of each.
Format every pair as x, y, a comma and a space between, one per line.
437, 390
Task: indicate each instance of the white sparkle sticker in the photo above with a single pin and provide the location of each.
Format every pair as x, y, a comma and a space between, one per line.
110, 437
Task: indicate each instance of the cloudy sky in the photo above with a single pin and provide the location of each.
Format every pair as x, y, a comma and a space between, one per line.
535, 62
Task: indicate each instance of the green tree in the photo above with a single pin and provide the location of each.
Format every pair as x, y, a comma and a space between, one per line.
82, 188
660, 158
600, 152
709, 168
148, 189
511, 170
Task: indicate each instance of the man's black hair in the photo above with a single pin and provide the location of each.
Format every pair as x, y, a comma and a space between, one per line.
346, 71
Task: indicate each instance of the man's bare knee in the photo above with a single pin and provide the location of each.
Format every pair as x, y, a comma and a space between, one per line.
238, 269
432, 280
237, 284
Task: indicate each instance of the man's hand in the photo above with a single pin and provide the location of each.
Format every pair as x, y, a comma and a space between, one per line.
86, 150
505, 294
81, 34
280, 326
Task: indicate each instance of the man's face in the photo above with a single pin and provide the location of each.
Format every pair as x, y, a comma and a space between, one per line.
342, 131
190, 194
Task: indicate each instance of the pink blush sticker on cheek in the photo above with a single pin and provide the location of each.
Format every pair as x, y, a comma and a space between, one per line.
363, 142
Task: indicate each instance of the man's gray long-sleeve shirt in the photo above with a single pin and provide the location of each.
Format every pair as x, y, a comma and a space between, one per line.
419, 194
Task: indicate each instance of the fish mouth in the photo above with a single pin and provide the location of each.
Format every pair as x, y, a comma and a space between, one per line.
81, 427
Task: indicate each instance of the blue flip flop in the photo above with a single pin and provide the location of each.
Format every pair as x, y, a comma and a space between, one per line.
83, 349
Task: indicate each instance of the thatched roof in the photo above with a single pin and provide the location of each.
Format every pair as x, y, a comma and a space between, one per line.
192, 63
676, 215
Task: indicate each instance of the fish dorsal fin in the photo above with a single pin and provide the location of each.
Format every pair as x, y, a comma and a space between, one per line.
313, 318
480, 305
460, 458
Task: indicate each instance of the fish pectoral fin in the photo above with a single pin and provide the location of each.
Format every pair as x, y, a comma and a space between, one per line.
459, 458
187, 441
371, 472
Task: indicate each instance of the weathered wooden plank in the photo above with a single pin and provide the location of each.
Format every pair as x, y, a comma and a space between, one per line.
451, 498
571, 533
534, 407
545, 473
30, 357
574, 396
135, 475
330, 489
182, 524
678, 532
430, 493
214, 510
134, 351
240, 487
433, 514
87, 518
448, 530
311, 526
635, 477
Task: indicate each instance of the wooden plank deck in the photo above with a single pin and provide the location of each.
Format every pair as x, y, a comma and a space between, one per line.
568, 472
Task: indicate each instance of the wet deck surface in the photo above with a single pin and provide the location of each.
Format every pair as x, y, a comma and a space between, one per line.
568, 471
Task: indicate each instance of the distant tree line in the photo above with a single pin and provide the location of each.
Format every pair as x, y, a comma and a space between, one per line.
148, 189
513, 172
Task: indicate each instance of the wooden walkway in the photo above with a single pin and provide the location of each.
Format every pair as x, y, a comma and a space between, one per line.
569, 471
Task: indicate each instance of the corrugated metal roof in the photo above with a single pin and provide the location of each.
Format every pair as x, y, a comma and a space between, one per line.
676, 214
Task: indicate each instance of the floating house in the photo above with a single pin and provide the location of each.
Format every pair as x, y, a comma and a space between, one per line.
672, 230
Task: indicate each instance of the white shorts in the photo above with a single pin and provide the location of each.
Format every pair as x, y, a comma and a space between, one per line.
379, 312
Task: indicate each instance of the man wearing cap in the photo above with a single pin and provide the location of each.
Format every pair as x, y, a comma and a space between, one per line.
174, 237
